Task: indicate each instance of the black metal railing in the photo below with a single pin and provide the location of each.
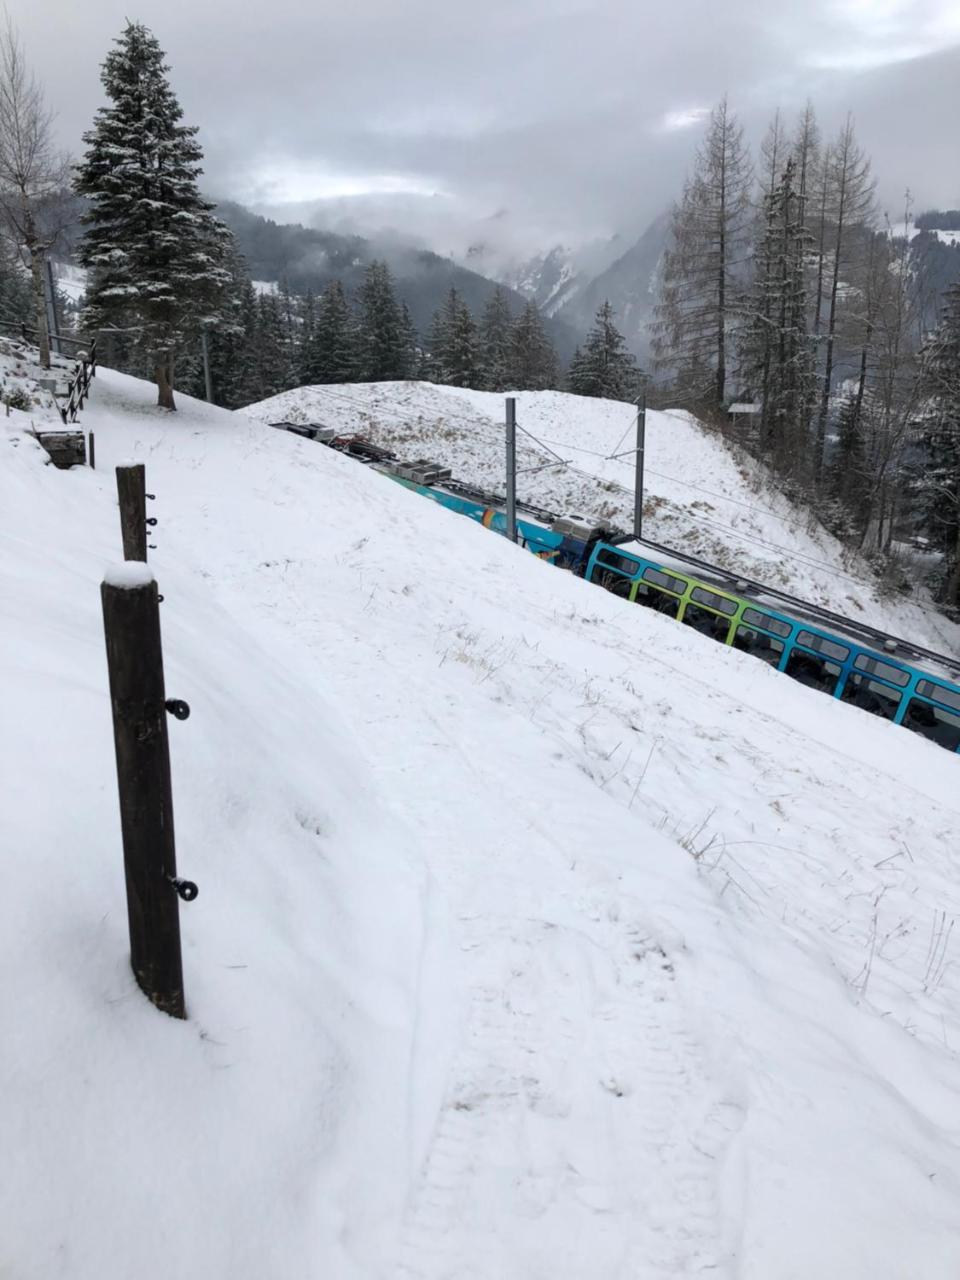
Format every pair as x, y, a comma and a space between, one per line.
79, 386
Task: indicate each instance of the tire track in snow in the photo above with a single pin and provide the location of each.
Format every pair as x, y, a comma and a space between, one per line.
579, 1133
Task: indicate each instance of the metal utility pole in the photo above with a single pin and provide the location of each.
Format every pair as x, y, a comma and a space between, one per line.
50, 301
207, 380
511, 468
641, 446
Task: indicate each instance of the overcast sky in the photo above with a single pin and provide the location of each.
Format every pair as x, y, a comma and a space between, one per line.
567, 119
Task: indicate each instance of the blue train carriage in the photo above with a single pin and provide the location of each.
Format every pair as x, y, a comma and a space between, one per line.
565, 543
919, 694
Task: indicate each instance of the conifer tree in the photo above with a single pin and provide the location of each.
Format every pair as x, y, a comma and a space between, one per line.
453, 343
495, 343
382, 357
273, 351
308, 327
154, 250
16, 297
696, 314
332, 355
603, 366
939, 479
408, 343
227, 347
533, 361
775, 353
289, 308
246, 387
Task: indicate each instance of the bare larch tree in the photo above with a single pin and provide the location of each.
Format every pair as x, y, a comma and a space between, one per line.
32, 174
696, 313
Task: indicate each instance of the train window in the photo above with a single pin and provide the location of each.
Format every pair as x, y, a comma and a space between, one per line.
871, 695
949, 697
810, 670
761, 646
822, 645
614, 582
896, 675
935, 723
767, 622
665, 580
656, 599
623, 564
707, 622
713, 601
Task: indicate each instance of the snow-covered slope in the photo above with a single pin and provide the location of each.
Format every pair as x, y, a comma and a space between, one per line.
702, 494
537, 936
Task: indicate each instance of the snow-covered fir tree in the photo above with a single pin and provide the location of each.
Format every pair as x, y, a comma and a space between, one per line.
382, 346
231, 341
274, 370
17, 302
453, 343
603, 366
332, 355
939, 477
533, 360
495, 343
308, 327
409, 344
155, 252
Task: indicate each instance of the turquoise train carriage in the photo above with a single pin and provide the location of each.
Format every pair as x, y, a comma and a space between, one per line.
920, 694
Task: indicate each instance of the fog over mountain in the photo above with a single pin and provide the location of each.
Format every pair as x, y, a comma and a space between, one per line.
513, 127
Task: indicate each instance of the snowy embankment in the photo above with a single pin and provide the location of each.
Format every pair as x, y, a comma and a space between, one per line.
702, 495
537, 935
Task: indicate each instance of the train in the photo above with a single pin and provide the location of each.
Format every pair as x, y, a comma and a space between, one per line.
887, 676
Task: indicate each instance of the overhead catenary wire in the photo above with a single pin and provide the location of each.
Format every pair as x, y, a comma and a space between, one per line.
753, 539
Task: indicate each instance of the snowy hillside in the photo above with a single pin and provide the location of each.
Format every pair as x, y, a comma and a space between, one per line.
702, 495
537, 935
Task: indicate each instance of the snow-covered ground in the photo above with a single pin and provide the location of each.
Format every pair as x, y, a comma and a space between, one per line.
537, 936
702, 494
905, 230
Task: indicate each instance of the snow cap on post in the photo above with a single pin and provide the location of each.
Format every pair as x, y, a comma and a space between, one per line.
128, 574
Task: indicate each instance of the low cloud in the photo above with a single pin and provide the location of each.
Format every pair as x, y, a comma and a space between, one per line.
564, 119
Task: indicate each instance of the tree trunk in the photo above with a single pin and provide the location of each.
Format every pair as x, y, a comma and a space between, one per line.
953, 582
163, 372
722, 294
40, 306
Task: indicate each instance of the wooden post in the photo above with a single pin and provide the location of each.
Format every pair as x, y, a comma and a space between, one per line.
132, 492
131, 623
92, 456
